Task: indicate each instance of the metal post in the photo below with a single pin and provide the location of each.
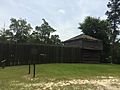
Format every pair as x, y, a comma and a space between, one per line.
33, 70
29, 69
34, 52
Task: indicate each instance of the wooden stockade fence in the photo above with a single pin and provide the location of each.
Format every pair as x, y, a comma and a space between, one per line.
24, 54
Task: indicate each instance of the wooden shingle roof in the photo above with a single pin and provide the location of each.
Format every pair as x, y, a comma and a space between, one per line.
83, 37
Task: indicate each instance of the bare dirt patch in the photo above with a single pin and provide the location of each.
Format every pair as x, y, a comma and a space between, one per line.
105, 83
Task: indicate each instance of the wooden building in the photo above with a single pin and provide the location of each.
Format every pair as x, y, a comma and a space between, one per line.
91, 47
79, 49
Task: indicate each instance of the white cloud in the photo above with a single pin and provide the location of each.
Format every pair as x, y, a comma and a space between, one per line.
64, 15
61, 11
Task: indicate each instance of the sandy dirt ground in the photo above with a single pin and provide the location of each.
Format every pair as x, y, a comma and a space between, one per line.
101, 83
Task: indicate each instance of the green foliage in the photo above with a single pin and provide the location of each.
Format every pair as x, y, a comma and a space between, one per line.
6, 35
114, 18
21, 30
44, 31
42, 34
114, 14
55, 40
99, 29
96, 28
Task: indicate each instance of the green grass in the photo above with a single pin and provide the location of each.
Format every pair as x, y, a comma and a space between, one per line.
55, 72
77, 70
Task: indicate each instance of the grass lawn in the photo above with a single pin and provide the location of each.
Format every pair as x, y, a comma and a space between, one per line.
51, 77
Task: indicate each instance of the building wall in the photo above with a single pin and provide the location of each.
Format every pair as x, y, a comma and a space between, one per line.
77, 43
94, 45
91, 50
91, 56
86, 44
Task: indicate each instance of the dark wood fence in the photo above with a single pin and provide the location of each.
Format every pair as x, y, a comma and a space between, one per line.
24, 54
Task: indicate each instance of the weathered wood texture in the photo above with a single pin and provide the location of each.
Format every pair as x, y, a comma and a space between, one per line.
21, 54
91, 56
85, 42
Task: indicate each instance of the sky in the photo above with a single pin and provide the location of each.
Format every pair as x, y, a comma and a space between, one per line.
63, 15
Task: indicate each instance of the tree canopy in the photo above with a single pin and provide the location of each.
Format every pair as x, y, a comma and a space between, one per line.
99, 29
113, 14
20, 31
43, 33
96, 28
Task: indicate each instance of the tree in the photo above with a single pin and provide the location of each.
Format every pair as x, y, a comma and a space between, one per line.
99, 29
34, 37
3, 35
6, 35
114, 18
44, 31
42, 34
21, 30
55, 40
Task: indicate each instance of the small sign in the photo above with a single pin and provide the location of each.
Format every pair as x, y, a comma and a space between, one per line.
42, 54
3, 61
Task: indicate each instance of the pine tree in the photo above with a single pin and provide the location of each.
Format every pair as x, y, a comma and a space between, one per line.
114, 18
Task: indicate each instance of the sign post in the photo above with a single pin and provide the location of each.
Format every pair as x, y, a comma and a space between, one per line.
29, 69
34, 53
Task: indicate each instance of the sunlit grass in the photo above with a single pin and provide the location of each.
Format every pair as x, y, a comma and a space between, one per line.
54, 72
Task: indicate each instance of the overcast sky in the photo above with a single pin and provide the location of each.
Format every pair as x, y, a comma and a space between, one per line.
62, 15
